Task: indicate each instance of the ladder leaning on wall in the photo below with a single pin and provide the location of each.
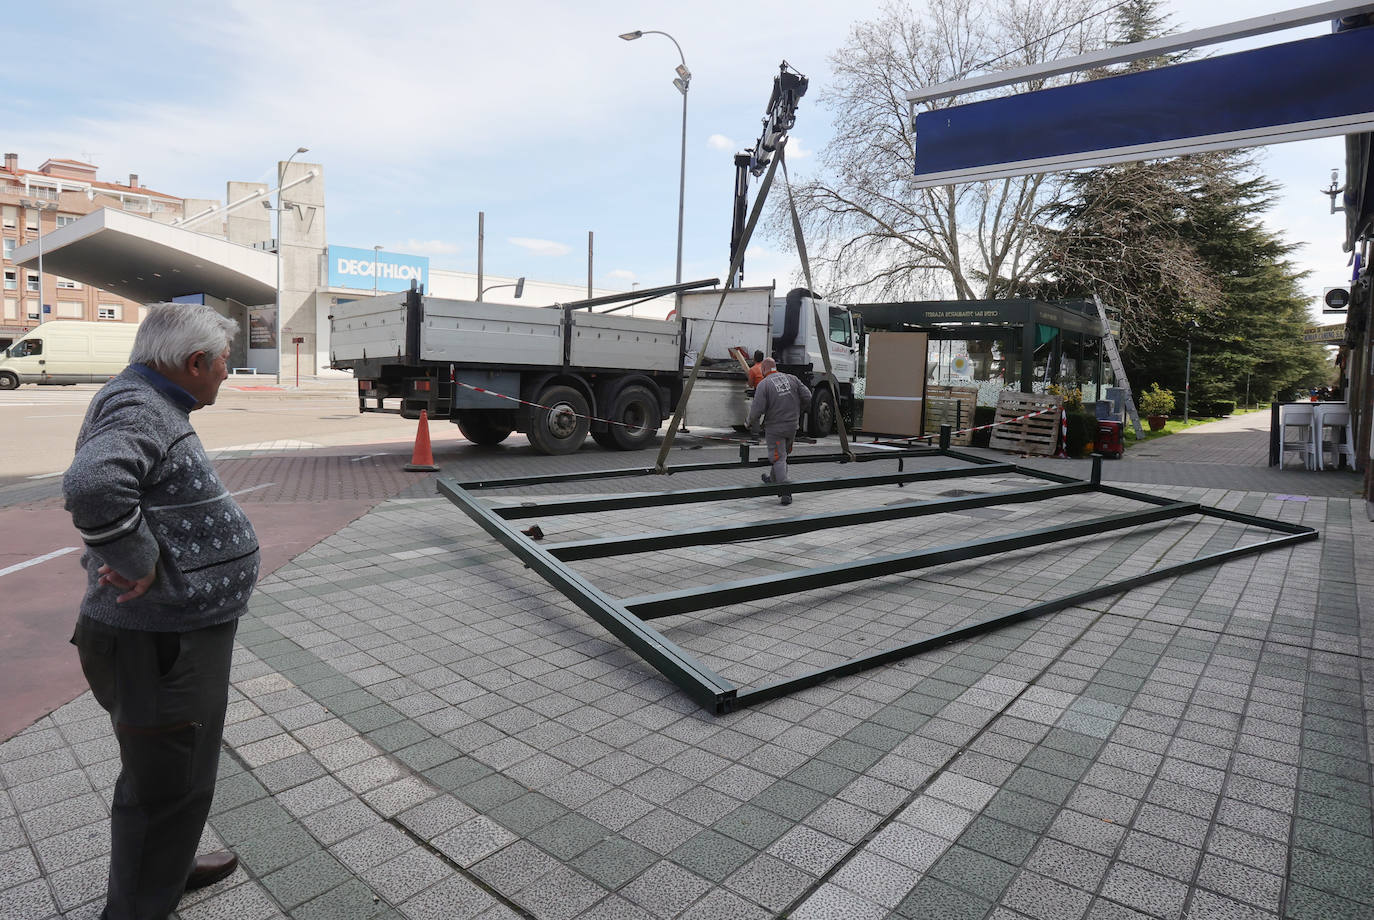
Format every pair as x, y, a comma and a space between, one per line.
1119, 369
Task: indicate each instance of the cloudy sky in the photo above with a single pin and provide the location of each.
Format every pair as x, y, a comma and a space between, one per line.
532, 111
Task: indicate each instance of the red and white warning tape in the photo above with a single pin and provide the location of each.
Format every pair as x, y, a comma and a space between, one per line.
927, 437
1010, 421
566, 411
525, 402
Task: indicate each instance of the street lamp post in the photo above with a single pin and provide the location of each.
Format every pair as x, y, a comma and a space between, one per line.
518, 284
375, 249
281, 180
1188, 369
40, 207
682, 82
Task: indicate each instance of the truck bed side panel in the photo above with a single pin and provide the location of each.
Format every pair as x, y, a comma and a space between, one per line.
374, 327
743, 321
612, 341
466, 332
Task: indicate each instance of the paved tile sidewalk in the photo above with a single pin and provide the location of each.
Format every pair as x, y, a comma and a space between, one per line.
420, 728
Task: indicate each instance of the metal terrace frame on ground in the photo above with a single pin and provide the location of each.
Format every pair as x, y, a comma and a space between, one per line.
628, 619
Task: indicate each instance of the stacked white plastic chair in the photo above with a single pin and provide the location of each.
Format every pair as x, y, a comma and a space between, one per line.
1332, 415
1295, 422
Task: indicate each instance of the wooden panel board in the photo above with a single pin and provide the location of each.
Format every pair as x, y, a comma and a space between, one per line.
1036, 436
894, 388
952, 406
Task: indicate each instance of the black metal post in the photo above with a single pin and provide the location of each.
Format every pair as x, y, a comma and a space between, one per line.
1028, 353
1187, 376
1275, 434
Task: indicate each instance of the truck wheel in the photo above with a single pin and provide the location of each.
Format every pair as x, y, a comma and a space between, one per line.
481, 428
562, 427
822, 414
636, 409
604, 439
8, 381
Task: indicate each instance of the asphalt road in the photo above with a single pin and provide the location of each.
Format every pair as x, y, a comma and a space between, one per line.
40, 423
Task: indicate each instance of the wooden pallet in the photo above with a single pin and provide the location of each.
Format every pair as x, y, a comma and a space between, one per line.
1035, 436
952, 406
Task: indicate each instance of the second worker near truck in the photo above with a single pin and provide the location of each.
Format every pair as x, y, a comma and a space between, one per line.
780, 399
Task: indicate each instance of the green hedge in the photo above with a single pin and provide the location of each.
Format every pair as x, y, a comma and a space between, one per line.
1217, 408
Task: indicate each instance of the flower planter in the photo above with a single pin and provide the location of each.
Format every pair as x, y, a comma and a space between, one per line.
1156, 422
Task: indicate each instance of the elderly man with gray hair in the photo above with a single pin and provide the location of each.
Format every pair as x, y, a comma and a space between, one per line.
779, 399
170, 563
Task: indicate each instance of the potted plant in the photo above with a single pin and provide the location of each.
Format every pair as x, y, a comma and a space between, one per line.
1155, 405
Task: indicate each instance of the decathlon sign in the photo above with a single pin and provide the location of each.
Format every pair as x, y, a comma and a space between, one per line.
369, 269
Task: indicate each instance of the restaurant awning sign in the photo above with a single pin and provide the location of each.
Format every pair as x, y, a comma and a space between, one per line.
1283, 92
1327, 335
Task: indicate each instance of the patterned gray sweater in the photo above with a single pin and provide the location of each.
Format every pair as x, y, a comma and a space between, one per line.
142, 493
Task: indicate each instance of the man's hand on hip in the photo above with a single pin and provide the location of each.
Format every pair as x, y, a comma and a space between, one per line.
135, 587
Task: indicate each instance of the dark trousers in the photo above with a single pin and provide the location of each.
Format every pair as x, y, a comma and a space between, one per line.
166, 694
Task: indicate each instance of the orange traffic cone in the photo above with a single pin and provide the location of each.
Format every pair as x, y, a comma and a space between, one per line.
421, 458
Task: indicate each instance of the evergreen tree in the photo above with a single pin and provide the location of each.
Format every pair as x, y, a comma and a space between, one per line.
1177, 247
1257, 323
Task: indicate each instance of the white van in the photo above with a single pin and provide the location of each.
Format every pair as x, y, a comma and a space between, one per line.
63, 352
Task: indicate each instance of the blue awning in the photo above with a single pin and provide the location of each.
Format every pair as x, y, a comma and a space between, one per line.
1291, 91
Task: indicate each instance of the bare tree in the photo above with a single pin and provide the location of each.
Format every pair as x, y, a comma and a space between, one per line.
1127, 233
872, 234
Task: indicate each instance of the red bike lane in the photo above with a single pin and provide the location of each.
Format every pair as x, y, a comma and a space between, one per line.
294, 501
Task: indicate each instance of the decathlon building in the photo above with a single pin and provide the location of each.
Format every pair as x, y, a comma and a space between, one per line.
225, 255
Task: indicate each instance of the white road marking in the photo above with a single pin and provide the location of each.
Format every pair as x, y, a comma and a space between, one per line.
285, 444
252, 488
37, 559
47, 475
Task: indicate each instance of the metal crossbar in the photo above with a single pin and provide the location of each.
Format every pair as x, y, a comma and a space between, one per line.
627, 619
670, 603
762, 463
726, 493
573, 550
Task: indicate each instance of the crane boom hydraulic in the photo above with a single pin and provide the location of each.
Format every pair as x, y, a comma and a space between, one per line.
788, 88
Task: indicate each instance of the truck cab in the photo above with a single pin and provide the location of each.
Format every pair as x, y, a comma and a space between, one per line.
757, 319
795, 347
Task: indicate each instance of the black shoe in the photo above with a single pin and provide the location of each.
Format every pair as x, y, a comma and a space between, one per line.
211, 868
785, 500
767, 479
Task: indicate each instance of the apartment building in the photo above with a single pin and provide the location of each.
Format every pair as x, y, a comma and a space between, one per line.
38, 201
